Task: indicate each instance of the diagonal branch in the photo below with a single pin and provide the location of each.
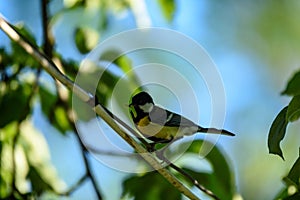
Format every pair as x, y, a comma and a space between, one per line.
50, 67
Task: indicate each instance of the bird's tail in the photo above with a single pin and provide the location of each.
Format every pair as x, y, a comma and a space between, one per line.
215, 131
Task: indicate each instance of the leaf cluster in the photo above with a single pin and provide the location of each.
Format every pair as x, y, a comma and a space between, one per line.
24, 153
288, 114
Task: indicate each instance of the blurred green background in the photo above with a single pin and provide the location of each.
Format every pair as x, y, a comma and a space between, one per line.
255, 45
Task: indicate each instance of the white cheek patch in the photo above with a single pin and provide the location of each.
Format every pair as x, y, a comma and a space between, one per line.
147, 108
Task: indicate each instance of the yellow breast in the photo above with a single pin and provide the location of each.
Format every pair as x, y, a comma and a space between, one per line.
149, 129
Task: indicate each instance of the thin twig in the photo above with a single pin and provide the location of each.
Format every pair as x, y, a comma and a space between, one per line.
87, 165
75, 186
50, 67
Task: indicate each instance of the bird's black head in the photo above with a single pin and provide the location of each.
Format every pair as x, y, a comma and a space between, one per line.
141, 99
141, 105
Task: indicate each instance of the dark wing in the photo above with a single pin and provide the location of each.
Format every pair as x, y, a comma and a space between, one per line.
166, 118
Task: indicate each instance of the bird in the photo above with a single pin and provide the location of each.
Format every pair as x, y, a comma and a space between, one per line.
163, 126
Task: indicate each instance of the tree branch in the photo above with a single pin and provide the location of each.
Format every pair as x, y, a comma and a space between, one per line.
102, 112
47, 36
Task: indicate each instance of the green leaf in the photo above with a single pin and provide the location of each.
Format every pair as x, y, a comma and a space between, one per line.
13, 103
293, 112
54, 110
293, 87
294, 174
168, 8
61, 119
124, 63
116, 57
149, 186
220, 181
110, 55
74, 3
295, 196
85, 39
80, 41
277, 132
284, 194
42, 173
5, 58
47, 99
38, 184
71, 67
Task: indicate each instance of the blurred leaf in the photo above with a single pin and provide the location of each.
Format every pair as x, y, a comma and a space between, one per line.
168, 8
103, 21
3, 188
47, 100
74, 3
70, 67
295, 196
149, 186
61, 119
54, 111
124, 63
42, 173
277, 132
110, 55
7, 135
292, 182
80, 41
130, 83
5, 59
293, 112
8, 132
294, 174
13, 103
293, 87
284, 195
37, 183
85, 39
105, 86
220, 181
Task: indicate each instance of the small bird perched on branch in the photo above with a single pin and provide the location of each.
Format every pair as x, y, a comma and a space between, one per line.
160, 125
